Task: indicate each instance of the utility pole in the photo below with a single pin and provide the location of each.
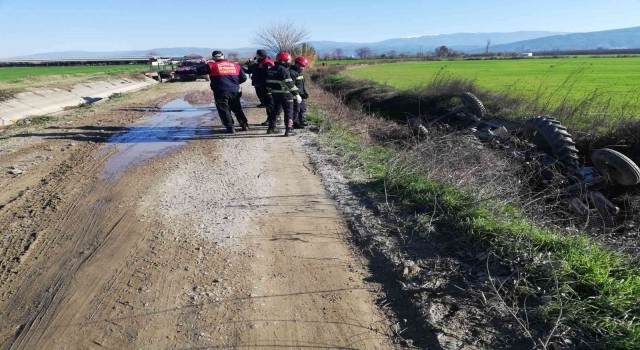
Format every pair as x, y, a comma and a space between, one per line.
486, 50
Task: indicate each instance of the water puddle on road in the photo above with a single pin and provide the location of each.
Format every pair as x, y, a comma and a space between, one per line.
162, 133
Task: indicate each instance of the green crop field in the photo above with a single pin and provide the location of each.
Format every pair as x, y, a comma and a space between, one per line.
17, 73
616, 80
359, 61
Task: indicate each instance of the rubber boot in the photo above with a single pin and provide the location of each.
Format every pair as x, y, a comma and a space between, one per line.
272, 129
289, 130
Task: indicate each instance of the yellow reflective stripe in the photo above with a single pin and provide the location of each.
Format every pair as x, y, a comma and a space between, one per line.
299, 78
282, 85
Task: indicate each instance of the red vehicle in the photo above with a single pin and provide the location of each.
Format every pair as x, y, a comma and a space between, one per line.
192, 68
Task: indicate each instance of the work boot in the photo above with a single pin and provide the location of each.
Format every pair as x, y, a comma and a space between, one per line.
231, 130
297, 125
265, 123
245, 127
272, 130
288, 132
304, 122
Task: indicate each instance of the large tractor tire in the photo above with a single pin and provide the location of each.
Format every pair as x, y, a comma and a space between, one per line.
550, 137
472, 104
616, 166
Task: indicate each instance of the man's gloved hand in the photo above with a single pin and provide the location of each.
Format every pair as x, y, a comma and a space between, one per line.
304, 95
298, 98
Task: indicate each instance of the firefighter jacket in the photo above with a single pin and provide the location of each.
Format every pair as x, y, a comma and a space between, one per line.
258, 71
279, 81
298, 79
225, 76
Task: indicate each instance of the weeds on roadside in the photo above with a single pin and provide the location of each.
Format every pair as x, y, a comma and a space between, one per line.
43, 119
581, 290
7, 94
117, 96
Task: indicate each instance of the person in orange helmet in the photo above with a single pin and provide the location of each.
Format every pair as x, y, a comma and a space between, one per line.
284, 92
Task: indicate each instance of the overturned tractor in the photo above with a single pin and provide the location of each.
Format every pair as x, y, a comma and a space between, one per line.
546, 144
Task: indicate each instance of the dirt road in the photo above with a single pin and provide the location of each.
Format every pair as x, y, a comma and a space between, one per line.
170, 234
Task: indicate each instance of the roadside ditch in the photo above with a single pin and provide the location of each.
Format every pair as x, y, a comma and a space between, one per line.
442, 220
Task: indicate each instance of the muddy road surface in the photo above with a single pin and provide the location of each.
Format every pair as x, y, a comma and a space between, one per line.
154, 230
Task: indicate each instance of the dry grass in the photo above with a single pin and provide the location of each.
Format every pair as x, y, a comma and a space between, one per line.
447, 181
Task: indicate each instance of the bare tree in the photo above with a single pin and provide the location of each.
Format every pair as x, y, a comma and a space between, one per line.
339, 53
281, 36
363, 52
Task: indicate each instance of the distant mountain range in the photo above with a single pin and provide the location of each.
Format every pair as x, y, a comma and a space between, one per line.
529, 41
627, 38
466, 42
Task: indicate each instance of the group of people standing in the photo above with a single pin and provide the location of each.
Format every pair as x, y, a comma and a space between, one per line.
279, 86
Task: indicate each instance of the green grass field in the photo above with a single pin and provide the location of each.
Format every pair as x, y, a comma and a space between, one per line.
17, 73
359, 61
617, 79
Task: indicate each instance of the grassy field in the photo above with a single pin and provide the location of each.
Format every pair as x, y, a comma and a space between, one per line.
14, 80
616, 80
360, 61
18, 73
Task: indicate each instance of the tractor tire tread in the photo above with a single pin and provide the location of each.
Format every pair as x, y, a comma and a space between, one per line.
554, 138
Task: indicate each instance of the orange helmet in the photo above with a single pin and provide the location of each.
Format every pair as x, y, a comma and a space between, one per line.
303, 61
283, 56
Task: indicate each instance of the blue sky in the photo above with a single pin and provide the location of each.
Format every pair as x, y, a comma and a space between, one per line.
35, 26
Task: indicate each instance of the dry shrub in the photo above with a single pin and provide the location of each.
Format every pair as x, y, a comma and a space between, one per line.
453, 157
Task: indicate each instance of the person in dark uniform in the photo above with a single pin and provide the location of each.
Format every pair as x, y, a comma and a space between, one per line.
226, 78
284, 92
257, 69
299, 120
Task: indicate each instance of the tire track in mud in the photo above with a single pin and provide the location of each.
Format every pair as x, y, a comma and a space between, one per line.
230, 241
76, 239
68, 232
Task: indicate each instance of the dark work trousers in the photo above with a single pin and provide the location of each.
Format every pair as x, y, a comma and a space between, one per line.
265, 98
299, 110
227, 102
282, 103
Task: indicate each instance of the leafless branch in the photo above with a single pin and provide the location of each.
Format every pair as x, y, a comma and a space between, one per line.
281, 36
